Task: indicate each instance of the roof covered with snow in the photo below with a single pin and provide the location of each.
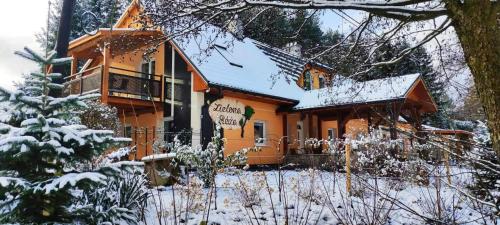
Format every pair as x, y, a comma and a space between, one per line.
346, 91
238, 64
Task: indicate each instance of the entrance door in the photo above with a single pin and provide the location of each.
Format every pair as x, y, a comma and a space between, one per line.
300, 133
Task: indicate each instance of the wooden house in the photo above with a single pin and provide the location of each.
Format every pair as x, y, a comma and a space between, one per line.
174, 91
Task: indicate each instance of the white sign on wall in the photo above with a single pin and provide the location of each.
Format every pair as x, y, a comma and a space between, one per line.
228, 113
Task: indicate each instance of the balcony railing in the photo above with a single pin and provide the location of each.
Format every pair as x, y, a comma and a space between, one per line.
134, 84
122, 83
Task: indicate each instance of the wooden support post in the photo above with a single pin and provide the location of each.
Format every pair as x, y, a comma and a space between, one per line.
447, 165
310, 126
319, 133
74, 64
105, 73
285, 134
394, 121
348, 167
369, 118
341, 125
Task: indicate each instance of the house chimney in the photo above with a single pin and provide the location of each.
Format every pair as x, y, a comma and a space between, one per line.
293, 48
235, 26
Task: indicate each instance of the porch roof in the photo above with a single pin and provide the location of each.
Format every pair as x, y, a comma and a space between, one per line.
122, 40
345, 91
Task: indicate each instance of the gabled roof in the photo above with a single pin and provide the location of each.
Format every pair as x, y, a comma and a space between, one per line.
225, 61
347, 92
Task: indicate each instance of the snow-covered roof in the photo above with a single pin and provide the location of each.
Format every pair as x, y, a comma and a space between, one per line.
436, 130
346, 91
238, 64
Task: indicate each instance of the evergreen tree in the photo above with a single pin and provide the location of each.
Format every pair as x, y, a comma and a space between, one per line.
106, 12
305, 29
271, 27
43, 150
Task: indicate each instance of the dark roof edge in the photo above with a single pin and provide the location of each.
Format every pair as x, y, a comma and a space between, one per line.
292, 101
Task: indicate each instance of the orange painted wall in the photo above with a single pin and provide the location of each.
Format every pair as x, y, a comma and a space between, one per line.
144, 121
266, 112
355, 127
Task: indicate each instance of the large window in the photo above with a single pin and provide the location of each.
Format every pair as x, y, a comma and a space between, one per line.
259, 132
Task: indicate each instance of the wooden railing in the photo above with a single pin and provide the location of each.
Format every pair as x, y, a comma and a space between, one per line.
122, 83
86, 81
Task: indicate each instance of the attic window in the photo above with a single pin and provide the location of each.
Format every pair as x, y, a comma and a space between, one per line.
307, 81
227, 55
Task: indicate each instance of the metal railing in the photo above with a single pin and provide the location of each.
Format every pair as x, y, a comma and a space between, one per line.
134, 84
85, 81
122, 83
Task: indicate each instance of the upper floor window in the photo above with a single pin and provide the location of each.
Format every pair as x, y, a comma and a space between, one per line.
321, 81
148, 67
308, 81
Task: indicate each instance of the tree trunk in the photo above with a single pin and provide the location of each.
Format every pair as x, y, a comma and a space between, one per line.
478, 28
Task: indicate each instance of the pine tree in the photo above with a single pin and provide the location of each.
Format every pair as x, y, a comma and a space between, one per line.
44, 149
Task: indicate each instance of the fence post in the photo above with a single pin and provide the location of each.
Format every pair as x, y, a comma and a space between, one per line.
348, 167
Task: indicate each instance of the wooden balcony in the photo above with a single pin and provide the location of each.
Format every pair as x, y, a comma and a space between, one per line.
121, 83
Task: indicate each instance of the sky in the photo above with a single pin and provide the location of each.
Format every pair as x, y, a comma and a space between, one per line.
22, 19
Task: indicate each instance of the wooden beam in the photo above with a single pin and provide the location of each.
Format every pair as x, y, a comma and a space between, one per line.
74, 65
105, 74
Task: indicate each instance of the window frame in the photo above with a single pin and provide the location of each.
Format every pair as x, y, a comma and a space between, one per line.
321, 81
264, 133
125, 127
151, 68
334, 133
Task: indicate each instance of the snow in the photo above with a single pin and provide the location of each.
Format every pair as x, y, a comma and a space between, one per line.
312, 197
71, 179
158, 156
257, 74
347, 91
6, 181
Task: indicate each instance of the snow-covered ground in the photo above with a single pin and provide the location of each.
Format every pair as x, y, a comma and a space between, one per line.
314, 197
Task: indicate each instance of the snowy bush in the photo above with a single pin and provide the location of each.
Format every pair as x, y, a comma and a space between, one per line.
375, 154
122, 199
100, 116
209, 161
